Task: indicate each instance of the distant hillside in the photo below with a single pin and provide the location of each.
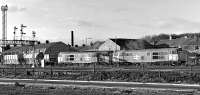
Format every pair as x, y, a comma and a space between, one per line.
156, 38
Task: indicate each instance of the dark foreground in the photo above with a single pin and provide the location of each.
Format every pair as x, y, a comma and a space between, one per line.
52, 90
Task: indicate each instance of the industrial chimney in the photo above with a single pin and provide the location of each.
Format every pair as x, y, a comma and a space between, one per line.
72, 38
4, 24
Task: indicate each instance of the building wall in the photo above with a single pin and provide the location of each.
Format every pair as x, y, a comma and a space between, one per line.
147, 55
109, 45
55, 49
77, 57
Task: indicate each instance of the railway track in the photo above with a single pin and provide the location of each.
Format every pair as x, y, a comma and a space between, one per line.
104, 84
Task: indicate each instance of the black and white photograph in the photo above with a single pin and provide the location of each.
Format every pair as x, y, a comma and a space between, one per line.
100, 47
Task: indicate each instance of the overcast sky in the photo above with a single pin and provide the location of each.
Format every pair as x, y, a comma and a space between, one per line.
102, 19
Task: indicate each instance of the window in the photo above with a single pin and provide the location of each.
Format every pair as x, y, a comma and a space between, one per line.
174, 52
142, 57
126, 54
158, 55
196, 47
148, 53
155, 57
155, 53
162, 53
161, 57
71, 57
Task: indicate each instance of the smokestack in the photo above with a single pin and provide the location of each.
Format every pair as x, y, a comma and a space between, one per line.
4, 23
72, 38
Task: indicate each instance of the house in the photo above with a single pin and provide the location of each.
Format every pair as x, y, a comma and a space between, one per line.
25, 54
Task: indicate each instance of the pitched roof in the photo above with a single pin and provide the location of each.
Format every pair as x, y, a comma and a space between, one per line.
94, 47
130, 44
19, 49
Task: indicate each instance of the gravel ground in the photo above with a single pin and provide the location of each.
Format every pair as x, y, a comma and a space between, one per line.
50, 90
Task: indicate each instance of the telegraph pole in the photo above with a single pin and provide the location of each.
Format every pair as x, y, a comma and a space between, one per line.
22, 33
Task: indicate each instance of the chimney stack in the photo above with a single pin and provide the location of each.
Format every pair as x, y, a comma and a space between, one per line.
72, 38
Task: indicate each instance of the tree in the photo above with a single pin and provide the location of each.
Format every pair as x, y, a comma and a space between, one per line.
47, 42
91, 43
76, 45
38, 42
39, 57
7, 47
83, 45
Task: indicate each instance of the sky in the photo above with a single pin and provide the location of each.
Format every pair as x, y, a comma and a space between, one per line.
101, 19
